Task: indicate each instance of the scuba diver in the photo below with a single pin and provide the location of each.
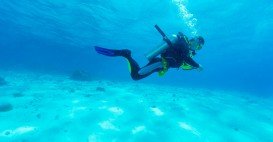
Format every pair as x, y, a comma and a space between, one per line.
174, 53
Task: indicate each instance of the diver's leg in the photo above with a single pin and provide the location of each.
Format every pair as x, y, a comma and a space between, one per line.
137, 73
134, 67
153, 66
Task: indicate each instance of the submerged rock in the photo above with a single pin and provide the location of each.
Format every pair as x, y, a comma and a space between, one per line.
3, 81
87, 95
4, 107
38, 116
236, 129
80, 76
7, 133
19, 94
100, 89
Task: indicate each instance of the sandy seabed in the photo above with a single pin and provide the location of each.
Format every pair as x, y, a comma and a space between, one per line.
37, 107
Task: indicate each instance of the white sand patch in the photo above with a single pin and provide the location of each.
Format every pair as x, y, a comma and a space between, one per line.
189, 128
75, 110
107, 125
102, 107
138, 129
157, 111
116, 110
92, 138
79, 108
103, 101
17, 131
75, 101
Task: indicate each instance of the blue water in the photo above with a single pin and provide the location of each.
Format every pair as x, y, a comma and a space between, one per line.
57, 37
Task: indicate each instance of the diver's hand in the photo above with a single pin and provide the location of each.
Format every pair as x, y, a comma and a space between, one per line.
200, 68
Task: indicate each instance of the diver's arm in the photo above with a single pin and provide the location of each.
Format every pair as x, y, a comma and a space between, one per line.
191, 62
200, 68
195, 65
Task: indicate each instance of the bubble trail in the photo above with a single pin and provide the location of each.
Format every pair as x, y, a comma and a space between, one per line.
187, 16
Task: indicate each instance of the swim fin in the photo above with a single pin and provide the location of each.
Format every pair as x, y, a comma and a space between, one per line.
112, 52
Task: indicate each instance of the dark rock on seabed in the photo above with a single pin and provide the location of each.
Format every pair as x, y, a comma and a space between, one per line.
4, 107
80, 76
3, 81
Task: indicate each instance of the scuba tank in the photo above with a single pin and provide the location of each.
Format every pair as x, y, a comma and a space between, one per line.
160, 49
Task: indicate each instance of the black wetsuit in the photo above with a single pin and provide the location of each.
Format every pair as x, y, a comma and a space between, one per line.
175, 56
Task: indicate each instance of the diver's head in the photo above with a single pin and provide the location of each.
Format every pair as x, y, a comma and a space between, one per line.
197, 42
180, 35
